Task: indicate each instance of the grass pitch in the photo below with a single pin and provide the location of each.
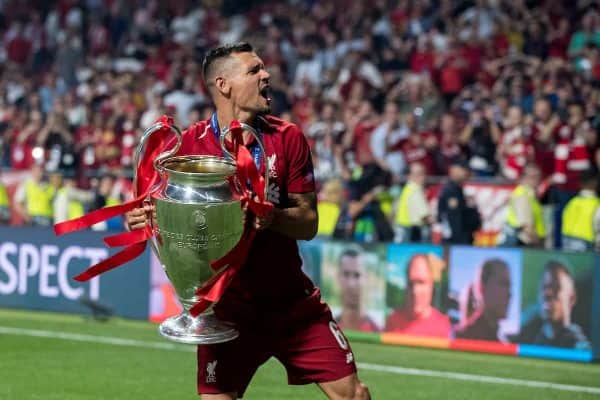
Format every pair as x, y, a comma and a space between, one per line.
63, 357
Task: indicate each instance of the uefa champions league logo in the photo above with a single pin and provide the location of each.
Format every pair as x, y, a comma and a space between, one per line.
199, 218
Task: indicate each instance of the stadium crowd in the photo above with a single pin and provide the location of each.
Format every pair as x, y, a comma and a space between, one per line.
385, 91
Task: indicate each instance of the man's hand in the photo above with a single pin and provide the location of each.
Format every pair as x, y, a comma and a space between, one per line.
139, 217
258, 223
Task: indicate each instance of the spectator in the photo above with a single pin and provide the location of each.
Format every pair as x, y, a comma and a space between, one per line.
412, 221
364, 208
581, 217
69, 201
328, 206
33, 199
544, 133
524, 224
514, 149
384, 137
4, 205
570, 159
459, 220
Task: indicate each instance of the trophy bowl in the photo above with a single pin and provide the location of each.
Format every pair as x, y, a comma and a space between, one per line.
197, 221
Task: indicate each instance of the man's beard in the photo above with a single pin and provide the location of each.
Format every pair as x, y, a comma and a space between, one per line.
264, 110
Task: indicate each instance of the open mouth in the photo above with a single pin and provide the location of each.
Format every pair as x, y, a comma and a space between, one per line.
265, 92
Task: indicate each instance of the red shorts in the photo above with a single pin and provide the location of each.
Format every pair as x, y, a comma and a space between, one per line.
316, 352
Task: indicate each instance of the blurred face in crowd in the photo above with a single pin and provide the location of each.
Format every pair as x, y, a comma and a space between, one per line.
106, 185
458, 173
575, 115
419, 289
351, 276
37, 173
417, 173
245, 82
55, 180
328, 112
35, 118
542, 110
391, 113
447, 124
514, 117
558, 297
410, 120
532, 176
496, 292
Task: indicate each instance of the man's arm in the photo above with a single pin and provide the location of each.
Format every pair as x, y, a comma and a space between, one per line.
299, 221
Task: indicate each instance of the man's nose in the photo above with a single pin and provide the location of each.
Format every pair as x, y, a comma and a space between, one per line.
265, 75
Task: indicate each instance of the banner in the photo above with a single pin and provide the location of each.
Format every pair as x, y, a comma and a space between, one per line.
490, 199
36, 271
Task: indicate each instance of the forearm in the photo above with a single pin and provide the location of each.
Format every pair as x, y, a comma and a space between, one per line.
298, 223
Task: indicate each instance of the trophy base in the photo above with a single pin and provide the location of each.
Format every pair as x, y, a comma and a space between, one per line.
204, 329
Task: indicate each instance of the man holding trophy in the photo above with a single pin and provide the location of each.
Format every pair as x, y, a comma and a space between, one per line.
275, 307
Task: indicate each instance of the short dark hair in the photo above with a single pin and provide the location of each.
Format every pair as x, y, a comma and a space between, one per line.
212, 57
588, 178
554, 267
350, 252
488, 268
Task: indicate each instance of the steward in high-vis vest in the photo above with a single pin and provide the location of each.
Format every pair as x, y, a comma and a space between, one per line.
412, 217
328, 206
70, 202
581, 217
33, 199
525, 220
4, 205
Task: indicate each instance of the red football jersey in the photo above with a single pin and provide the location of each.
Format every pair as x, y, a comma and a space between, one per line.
272, 277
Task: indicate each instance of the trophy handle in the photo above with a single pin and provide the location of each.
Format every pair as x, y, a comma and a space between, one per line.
157, 161
254, 133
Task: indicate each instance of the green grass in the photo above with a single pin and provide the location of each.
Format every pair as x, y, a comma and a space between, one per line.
59, 369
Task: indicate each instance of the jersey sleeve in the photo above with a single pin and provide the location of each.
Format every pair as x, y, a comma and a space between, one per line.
301, 176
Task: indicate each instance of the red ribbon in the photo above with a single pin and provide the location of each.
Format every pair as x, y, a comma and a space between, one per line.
136, 241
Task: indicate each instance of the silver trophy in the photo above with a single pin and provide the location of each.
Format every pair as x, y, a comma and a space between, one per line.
198, 220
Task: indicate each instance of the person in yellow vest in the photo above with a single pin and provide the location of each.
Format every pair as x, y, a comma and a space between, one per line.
581, 217
328, 206
33, 199
524, 220
413, 217
105, 196
70, 201
4, 206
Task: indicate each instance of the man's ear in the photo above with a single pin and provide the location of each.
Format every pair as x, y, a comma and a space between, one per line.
222, 85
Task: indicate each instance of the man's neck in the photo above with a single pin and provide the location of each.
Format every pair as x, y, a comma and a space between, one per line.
422, 314
226, 115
